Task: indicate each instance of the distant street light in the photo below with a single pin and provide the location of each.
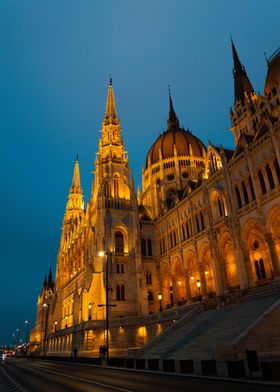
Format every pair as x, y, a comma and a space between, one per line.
55, 326
17, 337
27, 331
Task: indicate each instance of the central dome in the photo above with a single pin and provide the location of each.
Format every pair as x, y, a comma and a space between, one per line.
185, 142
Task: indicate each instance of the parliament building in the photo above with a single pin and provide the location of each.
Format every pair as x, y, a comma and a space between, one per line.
205, 225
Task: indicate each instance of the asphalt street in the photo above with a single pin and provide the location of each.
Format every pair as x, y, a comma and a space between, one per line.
51, 376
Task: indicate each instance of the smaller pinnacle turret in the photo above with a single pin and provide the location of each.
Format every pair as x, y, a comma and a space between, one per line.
111, 116
76, 182
243, 88
172, 122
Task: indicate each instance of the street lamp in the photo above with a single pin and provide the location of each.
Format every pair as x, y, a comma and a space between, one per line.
17, 337
160, 301
107, 254
198, 285
27, 330
46, 308
89, 311
55, 326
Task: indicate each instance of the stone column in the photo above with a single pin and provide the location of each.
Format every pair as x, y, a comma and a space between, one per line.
175, 290
203, 288
188, 287
219, 276
243, 278
273, 254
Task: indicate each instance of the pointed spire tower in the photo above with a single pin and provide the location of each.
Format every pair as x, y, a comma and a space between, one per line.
75, 204
172, 122
243, 88
111, 167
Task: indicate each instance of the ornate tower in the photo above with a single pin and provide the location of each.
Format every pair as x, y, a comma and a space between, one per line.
113, 213
246, 102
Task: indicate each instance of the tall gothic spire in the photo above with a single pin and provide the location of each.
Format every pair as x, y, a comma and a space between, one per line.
76, 182
242, 84
172, 122
111, 116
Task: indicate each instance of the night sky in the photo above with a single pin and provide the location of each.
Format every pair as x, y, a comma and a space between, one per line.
55, 61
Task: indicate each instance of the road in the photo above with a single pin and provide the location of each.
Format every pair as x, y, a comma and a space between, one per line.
50, 376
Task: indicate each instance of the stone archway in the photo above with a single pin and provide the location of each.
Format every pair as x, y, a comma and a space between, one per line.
273, 236
166, 284
258, 251
231, 269
193, 273
178, 281
205, 257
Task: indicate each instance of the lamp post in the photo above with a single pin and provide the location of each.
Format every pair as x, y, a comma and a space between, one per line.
89, 311
27, 331
160, 302
55, 326
107, 289
198, 285
46, 308
17, 337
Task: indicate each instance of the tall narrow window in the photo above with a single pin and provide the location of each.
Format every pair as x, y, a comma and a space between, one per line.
119, 243
270, 177
183, 232
220, 207
197, 224
277, 169
202, 221
149, 278
150, 251
120, 292
258, 271
238, 197
245, 193
252, 189
262, 183
116, 186
143, 247
262, 268
150, 296
188, 230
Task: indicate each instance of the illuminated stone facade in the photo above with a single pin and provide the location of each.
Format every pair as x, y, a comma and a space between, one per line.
207, 217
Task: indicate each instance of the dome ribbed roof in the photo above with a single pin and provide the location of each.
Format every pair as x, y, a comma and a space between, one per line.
181, 139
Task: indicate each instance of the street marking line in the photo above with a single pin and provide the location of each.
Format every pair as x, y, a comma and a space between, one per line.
13, 382
83, 379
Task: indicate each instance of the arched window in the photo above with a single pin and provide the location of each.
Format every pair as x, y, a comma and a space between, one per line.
150, 251
143, 247
120, 292
252, 188
260, 269
150, 296
238, 197
119, 243
149, 278
197, 224
188, 230
116, 186
202, 221
220, 207
277, 169
245, 193
183, 232
262, 183
270, 177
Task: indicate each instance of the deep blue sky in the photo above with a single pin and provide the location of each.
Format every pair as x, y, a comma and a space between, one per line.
55, 60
